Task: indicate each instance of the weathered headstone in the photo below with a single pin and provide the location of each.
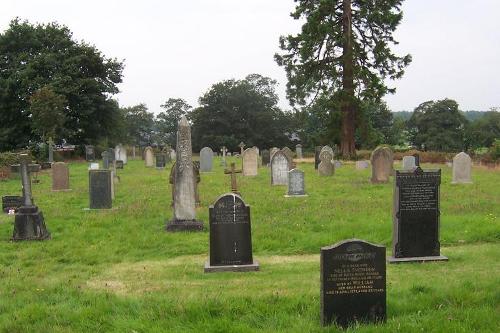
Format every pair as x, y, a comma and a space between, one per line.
381, 160
29, 223
105, 160
111, 152
266, 158
360, 165
184, 218
279, 168
409, 163
100, 189
326, 167
230, 236
89, 153
462, 169
11, 202
60, 177
317, 150
196, 181
256, 150
288, 152
272, 152
148, 157
296, 184
119, 164
353, 283
416, 216
121, 153
298, 150
329, 149
161, 161
250, 162
206, 159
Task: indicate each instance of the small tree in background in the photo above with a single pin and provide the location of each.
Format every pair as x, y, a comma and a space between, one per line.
166, 121
47, 113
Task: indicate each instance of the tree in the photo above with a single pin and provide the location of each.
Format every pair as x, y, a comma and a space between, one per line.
138, 125
35, 56
483, 131
166, 121
376, 126
343, 52
47, 113
240, 110
438, 126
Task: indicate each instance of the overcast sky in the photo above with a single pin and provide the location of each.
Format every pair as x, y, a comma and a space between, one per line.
179, 48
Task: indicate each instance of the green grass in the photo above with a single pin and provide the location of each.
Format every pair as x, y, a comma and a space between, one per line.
118, 271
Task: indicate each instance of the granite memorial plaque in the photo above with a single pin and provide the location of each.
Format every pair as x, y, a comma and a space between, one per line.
353, 283
100, 182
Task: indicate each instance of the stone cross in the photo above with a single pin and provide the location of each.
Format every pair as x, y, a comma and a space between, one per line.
241, 145
223, 160
233, 172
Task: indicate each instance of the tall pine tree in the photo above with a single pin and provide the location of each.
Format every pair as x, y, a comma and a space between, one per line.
343, 52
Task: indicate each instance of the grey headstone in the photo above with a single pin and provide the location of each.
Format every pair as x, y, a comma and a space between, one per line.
89, 153
60, 177
161, 161
296, 184
105, 160
326, 167
149, 157
298, 150
462, 169
206, 159
409, 163
382, 164
250, 162
279, 168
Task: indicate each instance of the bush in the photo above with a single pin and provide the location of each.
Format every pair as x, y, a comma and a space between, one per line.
494, 150
8, 158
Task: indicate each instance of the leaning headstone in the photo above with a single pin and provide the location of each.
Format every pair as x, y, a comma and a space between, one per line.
353, 283
416, 216
161, 161
360, 165
206, 159
266, 158
317, 150
148, 157
409, 163
100, 189
381, 161
298, 150
279, 168
89, 153
326, 167
10, 202
184, 218
60, 177
296, 184
462, 169
29, 223
230, 236
250, 162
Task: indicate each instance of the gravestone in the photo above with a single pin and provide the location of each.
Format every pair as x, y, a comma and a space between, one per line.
353, 283
360, 165
230, 236
462, 169
329, 149
272, 152
233, 172
256, 150
296, 184
105, 160
288, 152
89, 153
223, 159
119, 164
416, 216
100, 189
121, 153
206, 158
161, 161
417, 159
250, 162
326, 167
184, 218
29, 223
11, 202
409, 163
111, 152
60, 177
266, 158
279, 168
94, 166
196, 181
317, 150
51, 150
381, 161
242, 146
298, 150
148, 157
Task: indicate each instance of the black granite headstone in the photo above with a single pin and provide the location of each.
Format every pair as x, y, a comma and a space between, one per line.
353, 283
89, 153
160, 161
119, 164
416, 216
100, 193
11, 202
230, 235
317, 150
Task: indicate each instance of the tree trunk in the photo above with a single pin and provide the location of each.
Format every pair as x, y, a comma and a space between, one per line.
347, 148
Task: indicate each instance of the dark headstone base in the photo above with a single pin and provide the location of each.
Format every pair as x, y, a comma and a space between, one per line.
184, 225
392, 260
29, 225
231, 268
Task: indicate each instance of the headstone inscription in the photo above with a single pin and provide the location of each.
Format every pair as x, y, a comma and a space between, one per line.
89, 153
100, 189
148, 157
60, 177
317, 150
233, 172
11, 202
29, 223
353, 283
184, 218
279, 168
266, 158
462, 169
250, 162
326, 167
296, 184
381, 160
416, 216
230, 236
298, 150
206, 159
160, 161
409, 163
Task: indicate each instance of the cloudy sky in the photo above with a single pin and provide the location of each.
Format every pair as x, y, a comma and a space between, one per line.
179, 49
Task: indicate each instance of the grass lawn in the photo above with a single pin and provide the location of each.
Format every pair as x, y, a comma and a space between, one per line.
119, 271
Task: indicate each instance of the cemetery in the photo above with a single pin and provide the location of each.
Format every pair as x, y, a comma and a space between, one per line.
149, 185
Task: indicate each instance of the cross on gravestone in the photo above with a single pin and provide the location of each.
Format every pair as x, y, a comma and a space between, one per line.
29, 222
233, 172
